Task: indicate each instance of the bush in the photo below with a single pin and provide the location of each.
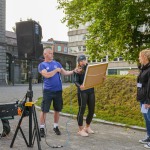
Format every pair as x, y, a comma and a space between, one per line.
115, 101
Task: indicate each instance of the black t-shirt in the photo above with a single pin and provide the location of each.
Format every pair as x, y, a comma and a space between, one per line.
79, 78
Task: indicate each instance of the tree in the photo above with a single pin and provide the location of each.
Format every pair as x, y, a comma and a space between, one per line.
116, 27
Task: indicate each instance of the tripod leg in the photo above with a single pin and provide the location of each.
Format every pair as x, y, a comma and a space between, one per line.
18, 127
30, 127
24, 137
37, 127
33, 134
34, 129
37, 132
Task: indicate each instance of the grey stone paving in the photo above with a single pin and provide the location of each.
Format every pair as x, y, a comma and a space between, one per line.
106, 137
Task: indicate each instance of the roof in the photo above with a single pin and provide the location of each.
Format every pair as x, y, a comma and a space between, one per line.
10, 34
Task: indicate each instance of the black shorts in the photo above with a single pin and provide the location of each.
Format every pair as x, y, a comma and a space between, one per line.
48, 97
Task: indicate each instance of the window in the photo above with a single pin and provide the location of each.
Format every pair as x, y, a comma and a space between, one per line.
73, 38
115, 59
79, 48
104, 59
8, 65
120, 58
84, 48
84, 38
73, 49
65, 50
112, 71
59, 48
70, 50
81, 37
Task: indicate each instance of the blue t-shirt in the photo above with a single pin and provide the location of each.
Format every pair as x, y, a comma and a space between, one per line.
53, 83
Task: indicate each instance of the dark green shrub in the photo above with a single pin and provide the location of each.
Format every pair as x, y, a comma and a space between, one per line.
115, 100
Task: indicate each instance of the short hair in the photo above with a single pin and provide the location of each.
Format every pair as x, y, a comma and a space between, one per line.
46, 49
146, 52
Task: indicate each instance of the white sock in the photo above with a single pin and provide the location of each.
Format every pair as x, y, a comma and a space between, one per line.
55, 125
42, 126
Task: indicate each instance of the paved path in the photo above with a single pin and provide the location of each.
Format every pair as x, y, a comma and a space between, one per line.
106, 137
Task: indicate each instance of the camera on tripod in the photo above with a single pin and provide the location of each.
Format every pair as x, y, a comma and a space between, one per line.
22, 107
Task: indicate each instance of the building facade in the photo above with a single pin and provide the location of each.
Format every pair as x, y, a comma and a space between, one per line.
76, 44
17, 70
58, 46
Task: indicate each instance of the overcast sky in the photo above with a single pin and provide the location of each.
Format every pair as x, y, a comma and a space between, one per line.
43, 11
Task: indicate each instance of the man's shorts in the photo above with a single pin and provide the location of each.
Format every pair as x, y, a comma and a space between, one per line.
48, 97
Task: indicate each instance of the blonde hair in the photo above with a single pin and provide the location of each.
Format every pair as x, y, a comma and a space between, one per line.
146, 52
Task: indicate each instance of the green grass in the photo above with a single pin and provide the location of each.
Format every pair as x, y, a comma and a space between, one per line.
115, 101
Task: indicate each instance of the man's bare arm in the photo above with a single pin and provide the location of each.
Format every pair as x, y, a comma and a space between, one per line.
65, 72
50, 74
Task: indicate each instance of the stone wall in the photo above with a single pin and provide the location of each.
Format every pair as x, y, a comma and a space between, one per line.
2, 42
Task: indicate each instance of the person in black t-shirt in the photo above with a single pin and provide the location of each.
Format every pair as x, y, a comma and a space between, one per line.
85, 97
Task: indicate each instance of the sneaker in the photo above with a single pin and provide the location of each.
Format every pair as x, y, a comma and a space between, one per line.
89, 130
57, 132
145, 141
42, 132
147, 145
83, 133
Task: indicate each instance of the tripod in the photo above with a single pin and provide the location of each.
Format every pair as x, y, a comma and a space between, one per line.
32, 113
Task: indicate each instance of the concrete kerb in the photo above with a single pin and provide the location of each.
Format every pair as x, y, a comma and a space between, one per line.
100, 121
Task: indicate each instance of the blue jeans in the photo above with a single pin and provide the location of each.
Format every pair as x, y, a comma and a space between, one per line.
147, 120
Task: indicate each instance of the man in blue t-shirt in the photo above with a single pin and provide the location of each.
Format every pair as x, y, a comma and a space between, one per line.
52, 89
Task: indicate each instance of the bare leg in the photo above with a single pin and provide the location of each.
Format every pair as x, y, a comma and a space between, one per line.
42, 118
87, 125
80, 128
56, 117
